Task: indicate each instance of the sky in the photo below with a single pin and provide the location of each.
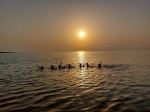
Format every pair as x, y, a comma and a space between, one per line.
53, 25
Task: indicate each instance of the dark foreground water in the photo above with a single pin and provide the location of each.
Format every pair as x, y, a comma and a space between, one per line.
121, 85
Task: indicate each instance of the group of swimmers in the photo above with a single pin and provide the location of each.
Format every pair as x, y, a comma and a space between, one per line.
69, 66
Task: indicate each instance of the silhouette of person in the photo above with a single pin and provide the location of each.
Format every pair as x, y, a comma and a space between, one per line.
69, 66
87, 65
100, 65
80, 65
41, 67
52, 67
59, 67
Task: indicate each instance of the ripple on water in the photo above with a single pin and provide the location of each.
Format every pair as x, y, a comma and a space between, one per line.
114, 87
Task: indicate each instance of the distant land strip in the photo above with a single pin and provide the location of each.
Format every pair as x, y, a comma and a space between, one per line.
8, 52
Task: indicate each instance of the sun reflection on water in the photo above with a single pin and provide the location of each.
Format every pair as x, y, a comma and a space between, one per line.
82, 74
81, 58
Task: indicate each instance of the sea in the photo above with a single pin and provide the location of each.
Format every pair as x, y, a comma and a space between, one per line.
122, 84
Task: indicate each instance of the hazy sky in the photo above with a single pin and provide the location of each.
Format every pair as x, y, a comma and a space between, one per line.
53, 25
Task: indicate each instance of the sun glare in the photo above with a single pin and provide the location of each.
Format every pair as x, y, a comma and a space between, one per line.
81, 34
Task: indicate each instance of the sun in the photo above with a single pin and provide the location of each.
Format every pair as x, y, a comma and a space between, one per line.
81, 34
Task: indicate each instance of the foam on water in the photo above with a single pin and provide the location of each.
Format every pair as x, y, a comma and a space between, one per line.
122, 84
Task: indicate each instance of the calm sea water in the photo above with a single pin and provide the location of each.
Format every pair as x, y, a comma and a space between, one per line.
121, 85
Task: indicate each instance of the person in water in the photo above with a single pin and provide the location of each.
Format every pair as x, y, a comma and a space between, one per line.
53, 67
59, 67
41, 67
70, 66
87, 65
100, 65
80, 65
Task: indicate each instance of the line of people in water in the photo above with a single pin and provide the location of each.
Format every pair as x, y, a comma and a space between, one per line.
69, 66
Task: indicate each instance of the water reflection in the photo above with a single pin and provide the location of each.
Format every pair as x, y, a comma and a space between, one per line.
122, 88
81, 75
81, 58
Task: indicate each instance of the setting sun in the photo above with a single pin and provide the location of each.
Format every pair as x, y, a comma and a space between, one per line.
81, 34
